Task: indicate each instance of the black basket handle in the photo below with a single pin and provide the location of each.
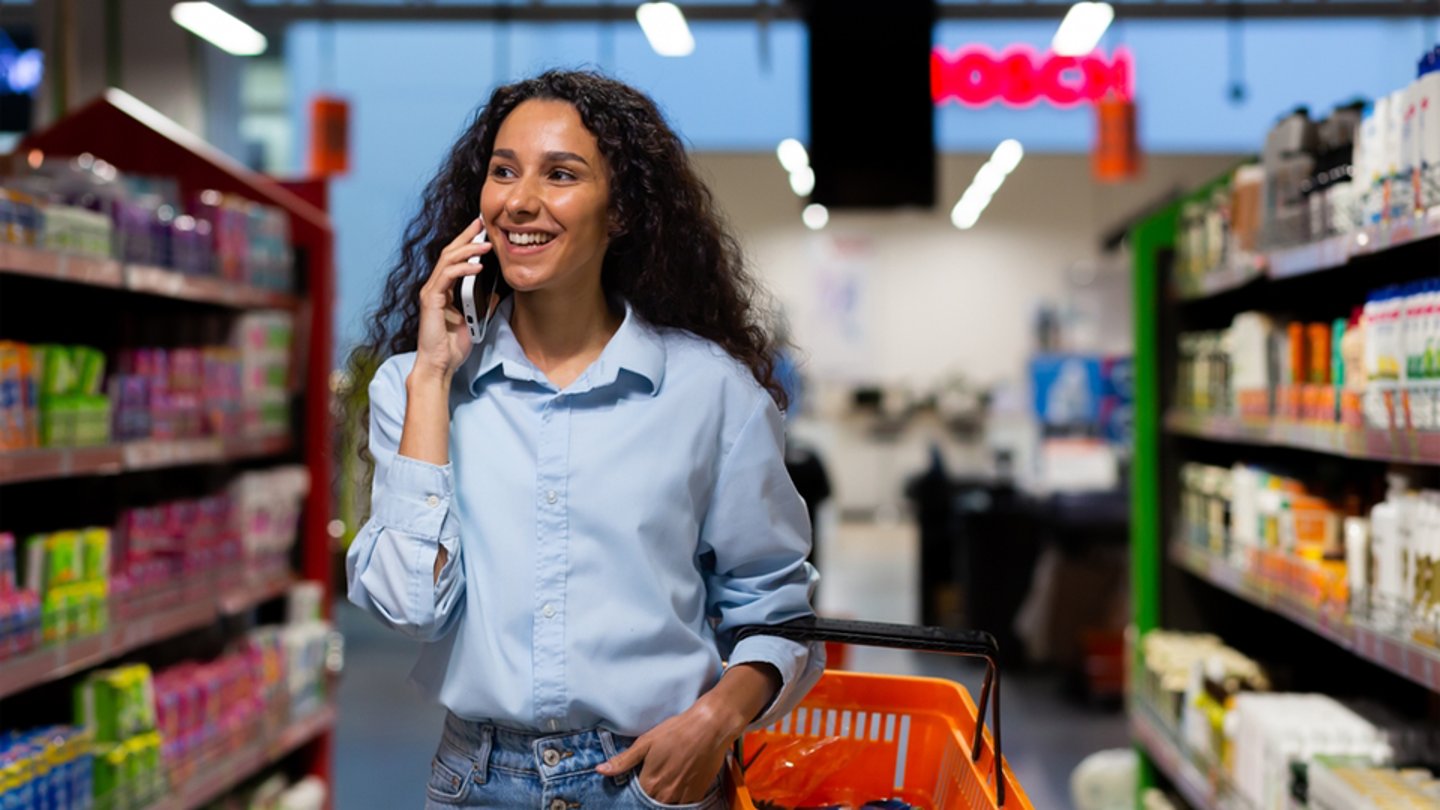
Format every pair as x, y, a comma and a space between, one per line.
967, 643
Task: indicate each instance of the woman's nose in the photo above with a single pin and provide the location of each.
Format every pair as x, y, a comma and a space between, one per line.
524, 200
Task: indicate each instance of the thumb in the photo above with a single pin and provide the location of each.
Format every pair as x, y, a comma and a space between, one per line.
627, 760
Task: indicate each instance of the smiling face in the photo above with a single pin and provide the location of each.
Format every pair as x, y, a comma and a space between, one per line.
546, 199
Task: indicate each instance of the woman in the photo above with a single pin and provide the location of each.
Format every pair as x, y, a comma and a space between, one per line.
577, 513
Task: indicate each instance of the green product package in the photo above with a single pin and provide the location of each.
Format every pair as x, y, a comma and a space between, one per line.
59, 376
96, 554
54, 624
91, 419
58, 416
115, 704
89, 370
109, 774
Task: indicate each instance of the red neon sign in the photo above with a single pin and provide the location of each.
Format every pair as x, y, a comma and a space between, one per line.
1020, 76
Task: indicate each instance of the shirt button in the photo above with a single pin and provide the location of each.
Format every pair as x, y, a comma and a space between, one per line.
549, 611
552, 496
432, 501
551, 757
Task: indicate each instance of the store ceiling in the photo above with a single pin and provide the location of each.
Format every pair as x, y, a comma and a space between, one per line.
270, 13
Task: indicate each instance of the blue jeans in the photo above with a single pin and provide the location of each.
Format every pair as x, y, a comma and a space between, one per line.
480, 765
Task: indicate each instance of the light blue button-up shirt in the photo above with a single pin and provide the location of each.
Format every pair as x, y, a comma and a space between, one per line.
604, 540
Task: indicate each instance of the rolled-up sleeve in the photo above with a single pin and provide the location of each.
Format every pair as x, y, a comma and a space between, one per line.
391, 565
755, 538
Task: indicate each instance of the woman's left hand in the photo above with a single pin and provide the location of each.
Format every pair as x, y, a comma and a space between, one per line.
678, 760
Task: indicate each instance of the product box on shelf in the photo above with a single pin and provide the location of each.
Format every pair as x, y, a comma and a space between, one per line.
20, 613
49, 767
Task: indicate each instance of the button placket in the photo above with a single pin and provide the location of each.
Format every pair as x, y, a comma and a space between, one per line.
552, 540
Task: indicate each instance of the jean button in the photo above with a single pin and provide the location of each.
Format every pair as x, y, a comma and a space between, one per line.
559, 804
551, 757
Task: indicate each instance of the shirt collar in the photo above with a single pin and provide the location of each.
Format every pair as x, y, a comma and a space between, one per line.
635, 347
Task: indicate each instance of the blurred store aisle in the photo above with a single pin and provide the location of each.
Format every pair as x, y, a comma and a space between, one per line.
387, 733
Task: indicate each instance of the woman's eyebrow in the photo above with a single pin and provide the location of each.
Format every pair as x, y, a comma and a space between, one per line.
550, 157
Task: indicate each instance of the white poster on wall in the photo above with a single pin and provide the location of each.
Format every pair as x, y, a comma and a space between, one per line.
839, 344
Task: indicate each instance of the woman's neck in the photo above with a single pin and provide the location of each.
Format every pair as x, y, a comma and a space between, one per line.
562, 331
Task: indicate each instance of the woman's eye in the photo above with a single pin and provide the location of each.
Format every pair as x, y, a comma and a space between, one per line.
563, 174
501, 171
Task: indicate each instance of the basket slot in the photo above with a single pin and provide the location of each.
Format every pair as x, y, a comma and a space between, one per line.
875, 722
889, 728
831, 722
948, 775
902, 750
816, 718
845, 718
785, 724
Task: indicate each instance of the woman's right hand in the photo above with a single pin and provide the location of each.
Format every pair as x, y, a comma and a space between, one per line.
444, 342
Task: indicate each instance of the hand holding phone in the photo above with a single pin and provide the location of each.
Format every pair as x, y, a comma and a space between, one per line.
477, 326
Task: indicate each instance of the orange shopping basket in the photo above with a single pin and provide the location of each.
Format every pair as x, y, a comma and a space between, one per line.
922, 740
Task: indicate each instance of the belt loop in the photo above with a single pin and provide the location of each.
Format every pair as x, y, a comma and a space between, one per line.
482, 753
607, 744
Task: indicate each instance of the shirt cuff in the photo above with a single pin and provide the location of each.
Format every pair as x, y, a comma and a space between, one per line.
416, 498
800, 667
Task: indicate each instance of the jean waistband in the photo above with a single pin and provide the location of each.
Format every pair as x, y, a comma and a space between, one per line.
546, 755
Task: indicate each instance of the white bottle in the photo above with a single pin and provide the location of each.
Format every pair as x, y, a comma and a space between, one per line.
1357, 563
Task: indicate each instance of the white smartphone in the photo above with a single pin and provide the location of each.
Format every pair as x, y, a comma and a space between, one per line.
477, 326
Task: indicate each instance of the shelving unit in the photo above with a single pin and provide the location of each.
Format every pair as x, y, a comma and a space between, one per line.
1182, 586
137, 140
139, 278
1371, 444
177, 615
151, 454
218, 777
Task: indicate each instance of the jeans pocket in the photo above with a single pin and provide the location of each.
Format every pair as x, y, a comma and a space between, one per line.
712, 799
449, 775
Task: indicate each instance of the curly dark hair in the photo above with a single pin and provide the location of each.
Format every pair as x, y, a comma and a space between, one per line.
671, 254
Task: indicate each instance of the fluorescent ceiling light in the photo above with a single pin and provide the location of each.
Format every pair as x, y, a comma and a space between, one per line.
815, 216
987, 181
1082, 28
218, 27
792, 155
802, 181
664, 25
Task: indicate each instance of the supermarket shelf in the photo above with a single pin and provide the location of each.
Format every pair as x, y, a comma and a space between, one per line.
50, 663
1234, 275
22, 261
157, 281
230, 771
1331, 253
1372, 444
201, 289
1323, 255
1403, 657
1197, 790
64, 462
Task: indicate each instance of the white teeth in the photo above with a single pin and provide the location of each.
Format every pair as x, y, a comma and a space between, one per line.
526, 239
